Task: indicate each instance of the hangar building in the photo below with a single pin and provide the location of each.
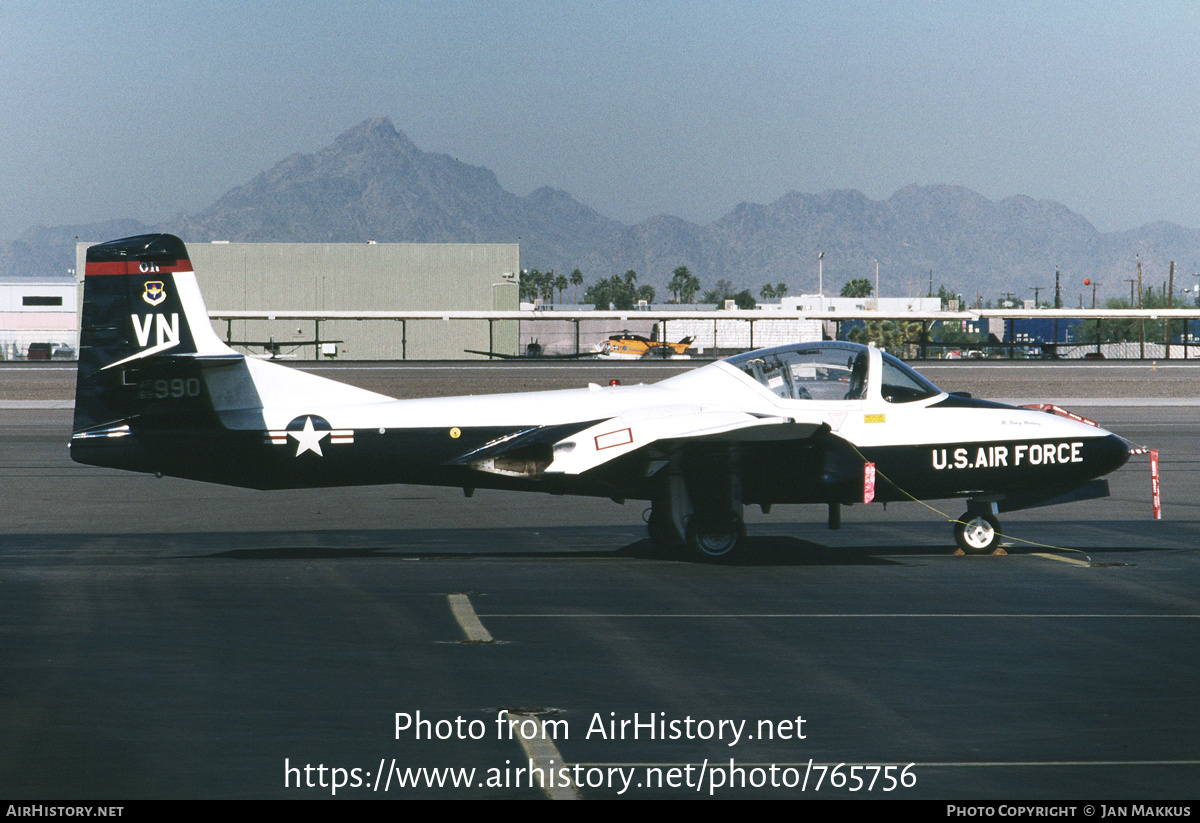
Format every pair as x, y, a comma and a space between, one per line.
319, 277
38, 314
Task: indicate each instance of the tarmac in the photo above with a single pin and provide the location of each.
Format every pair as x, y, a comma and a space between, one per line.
169, 639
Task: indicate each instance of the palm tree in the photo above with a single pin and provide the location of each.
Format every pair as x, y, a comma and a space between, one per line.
546, 286
684, 284
858, 287
678, 281
528, 284
577, 281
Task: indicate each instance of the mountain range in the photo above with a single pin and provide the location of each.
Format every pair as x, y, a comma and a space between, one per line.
373, 183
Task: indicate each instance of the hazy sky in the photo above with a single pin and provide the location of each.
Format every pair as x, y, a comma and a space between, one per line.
145, 110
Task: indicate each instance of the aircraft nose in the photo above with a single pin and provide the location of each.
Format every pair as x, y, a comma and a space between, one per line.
1110, 453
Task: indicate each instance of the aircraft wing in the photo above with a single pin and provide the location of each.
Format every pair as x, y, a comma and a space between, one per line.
617, 436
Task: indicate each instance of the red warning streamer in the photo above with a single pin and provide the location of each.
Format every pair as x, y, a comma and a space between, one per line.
868, 482
1154, 484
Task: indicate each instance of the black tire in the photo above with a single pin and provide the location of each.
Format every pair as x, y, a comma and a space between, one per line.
716, 539
977, 533
662, 532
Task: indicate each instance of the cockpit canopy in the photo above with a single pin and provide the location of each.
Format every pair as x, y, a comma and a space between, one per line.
831, 371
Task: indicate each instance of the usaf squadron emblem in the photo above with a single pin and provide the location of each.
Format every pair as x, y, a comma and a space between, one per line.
154, 293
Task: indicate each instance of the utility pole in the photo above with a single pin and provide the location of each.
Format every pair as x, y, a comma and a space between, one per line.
1096, 283
1170, 305
821, 278
1057, 304
1037, 291
877, 285
1011, 299
1187, 324
1141, 320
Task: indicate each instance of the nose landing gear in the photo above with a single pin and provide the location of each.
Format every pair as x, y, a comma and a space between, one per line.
978, 531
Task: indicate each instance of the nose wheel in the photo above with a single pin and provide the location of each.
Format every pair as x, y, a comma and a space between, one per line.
717, 537
977, 533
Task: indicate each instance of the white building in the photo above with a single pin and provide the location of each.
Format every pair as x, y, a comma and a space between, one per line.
726, 334
37, 312
887, 306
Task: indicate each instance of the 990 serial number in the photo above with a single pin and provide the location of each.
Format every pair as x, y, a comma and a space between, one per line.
175, 388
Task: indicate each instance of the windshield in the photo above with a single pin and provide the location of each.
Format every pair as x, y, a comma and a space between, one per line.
901, 384
830, 371
816, 373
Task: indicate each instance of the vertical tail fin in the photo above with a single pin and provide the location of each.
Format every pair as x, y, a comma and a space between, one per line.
142, 317
157, 390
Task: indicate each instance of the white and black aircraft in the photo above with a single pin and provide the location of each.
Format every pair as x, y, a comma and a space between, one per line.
159, 392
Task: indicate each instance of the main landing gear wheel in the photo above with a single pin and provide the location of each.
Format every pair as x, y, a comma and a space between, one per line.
977, 533
662, 531
715, 539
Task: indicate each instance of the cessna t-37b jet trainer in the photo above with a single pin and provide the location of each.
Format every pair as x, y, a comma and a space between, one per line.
159, 392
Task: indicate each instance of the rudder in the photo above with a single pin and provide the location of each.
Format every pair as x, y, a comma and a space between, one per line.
143, 332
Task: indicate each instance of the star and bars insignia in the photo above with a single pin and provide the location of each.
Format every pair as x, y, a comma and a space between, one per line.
308, 431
